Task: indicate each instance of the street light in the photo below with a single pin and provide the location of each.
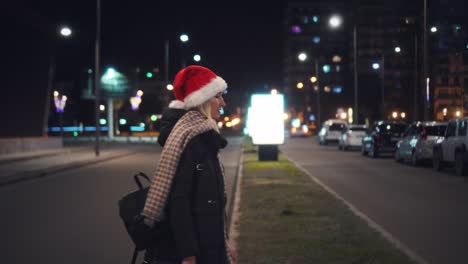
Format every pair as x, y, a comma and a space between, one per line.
97, 79
64, 32
302, 56
196, 57
376, 66
335, 21
184, 38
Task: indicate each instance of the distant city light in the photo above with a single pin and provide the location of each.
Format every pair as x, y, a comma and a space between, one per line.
395, 114
397, 49
433, 29
316, 39
196, 57
336, 59
274, 91
140, 93
457, 113
300, 85
315, 19
375, 66
403, 115
326, 68
102, 108
327, 89
154, 118
337, 89
110, 73
313, 79
122, 121
149, 75
296, 29
169, 87
102, 121
90, 71
302, 56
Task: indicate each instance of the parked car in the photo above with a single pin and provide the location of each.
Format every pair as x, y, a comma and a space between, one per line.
351, 137
418, 141
382, 137
452, 150
331, 131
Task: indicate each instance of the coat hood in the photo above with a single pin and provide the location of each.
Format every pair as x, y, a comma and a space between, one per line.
169, 118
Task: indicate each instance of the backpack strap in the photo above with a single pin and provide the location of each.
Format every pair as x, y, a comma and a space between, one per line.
135, 255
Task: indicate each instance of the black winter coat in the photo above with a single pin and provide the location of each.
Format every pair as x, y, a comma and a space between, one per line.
196, 205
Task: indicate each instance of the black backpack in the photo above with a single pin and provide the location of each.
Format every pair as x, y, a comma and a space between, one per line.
130, 208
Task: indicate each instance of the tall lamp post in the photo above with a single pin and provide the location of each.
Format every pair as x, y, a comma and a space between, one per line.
97, 79
64, 32
183, 38
381, 66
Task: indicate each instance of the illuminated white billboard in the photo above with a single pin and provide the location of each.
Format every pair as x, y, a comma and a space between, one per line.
266, 119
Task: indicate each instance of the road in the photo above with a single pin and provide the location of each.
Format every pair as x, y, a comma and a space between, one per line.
71, 216
424, 209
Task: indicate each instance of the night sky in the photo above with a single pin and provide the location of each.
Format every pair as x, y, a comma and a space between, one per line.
240, 40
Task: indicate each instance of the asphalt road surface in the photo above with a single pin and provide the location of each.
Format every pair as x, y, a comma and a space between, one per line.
424, 209
72, 216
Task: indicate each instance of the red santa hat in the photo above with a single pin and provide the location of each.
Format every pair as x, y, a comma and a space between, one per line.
195, 85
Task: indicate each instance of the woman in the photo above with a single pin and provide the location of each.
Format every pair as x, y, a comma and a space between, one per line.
187, 192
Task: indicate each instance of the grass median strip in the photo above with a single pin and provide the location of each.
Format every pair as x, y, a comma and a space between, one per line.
285, 217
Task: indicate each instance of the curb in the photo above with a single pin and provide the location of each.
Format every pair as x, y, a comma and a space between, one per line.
42, 173
387, 235
236, 196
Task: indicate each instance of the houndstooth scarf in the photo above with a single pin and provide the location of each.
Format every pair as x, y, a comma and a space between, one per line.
191, 124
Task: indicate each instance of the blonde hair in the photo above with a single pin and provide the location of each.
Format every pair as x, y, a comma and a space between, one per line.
205, 109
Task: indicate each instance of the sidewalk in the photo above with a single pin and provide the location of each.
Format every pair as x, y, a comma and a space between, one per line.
24, 166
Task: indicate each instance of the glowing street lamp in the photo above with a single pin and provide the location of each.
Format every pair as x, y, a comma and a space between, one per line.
302, 56
335, 21
65, 31
196, 57
184, 38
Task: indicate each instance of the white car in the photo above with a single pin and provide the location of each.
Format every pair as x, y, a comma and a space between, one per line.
352, 136
331, 131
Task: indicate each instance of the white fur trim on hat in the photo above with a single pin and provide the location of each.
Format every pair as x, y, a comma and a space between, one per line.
205, 93
177, 104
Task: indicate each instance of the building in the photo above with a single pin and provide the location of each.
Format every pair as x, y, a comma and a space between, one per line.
387, 59
323, 55
448, 58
